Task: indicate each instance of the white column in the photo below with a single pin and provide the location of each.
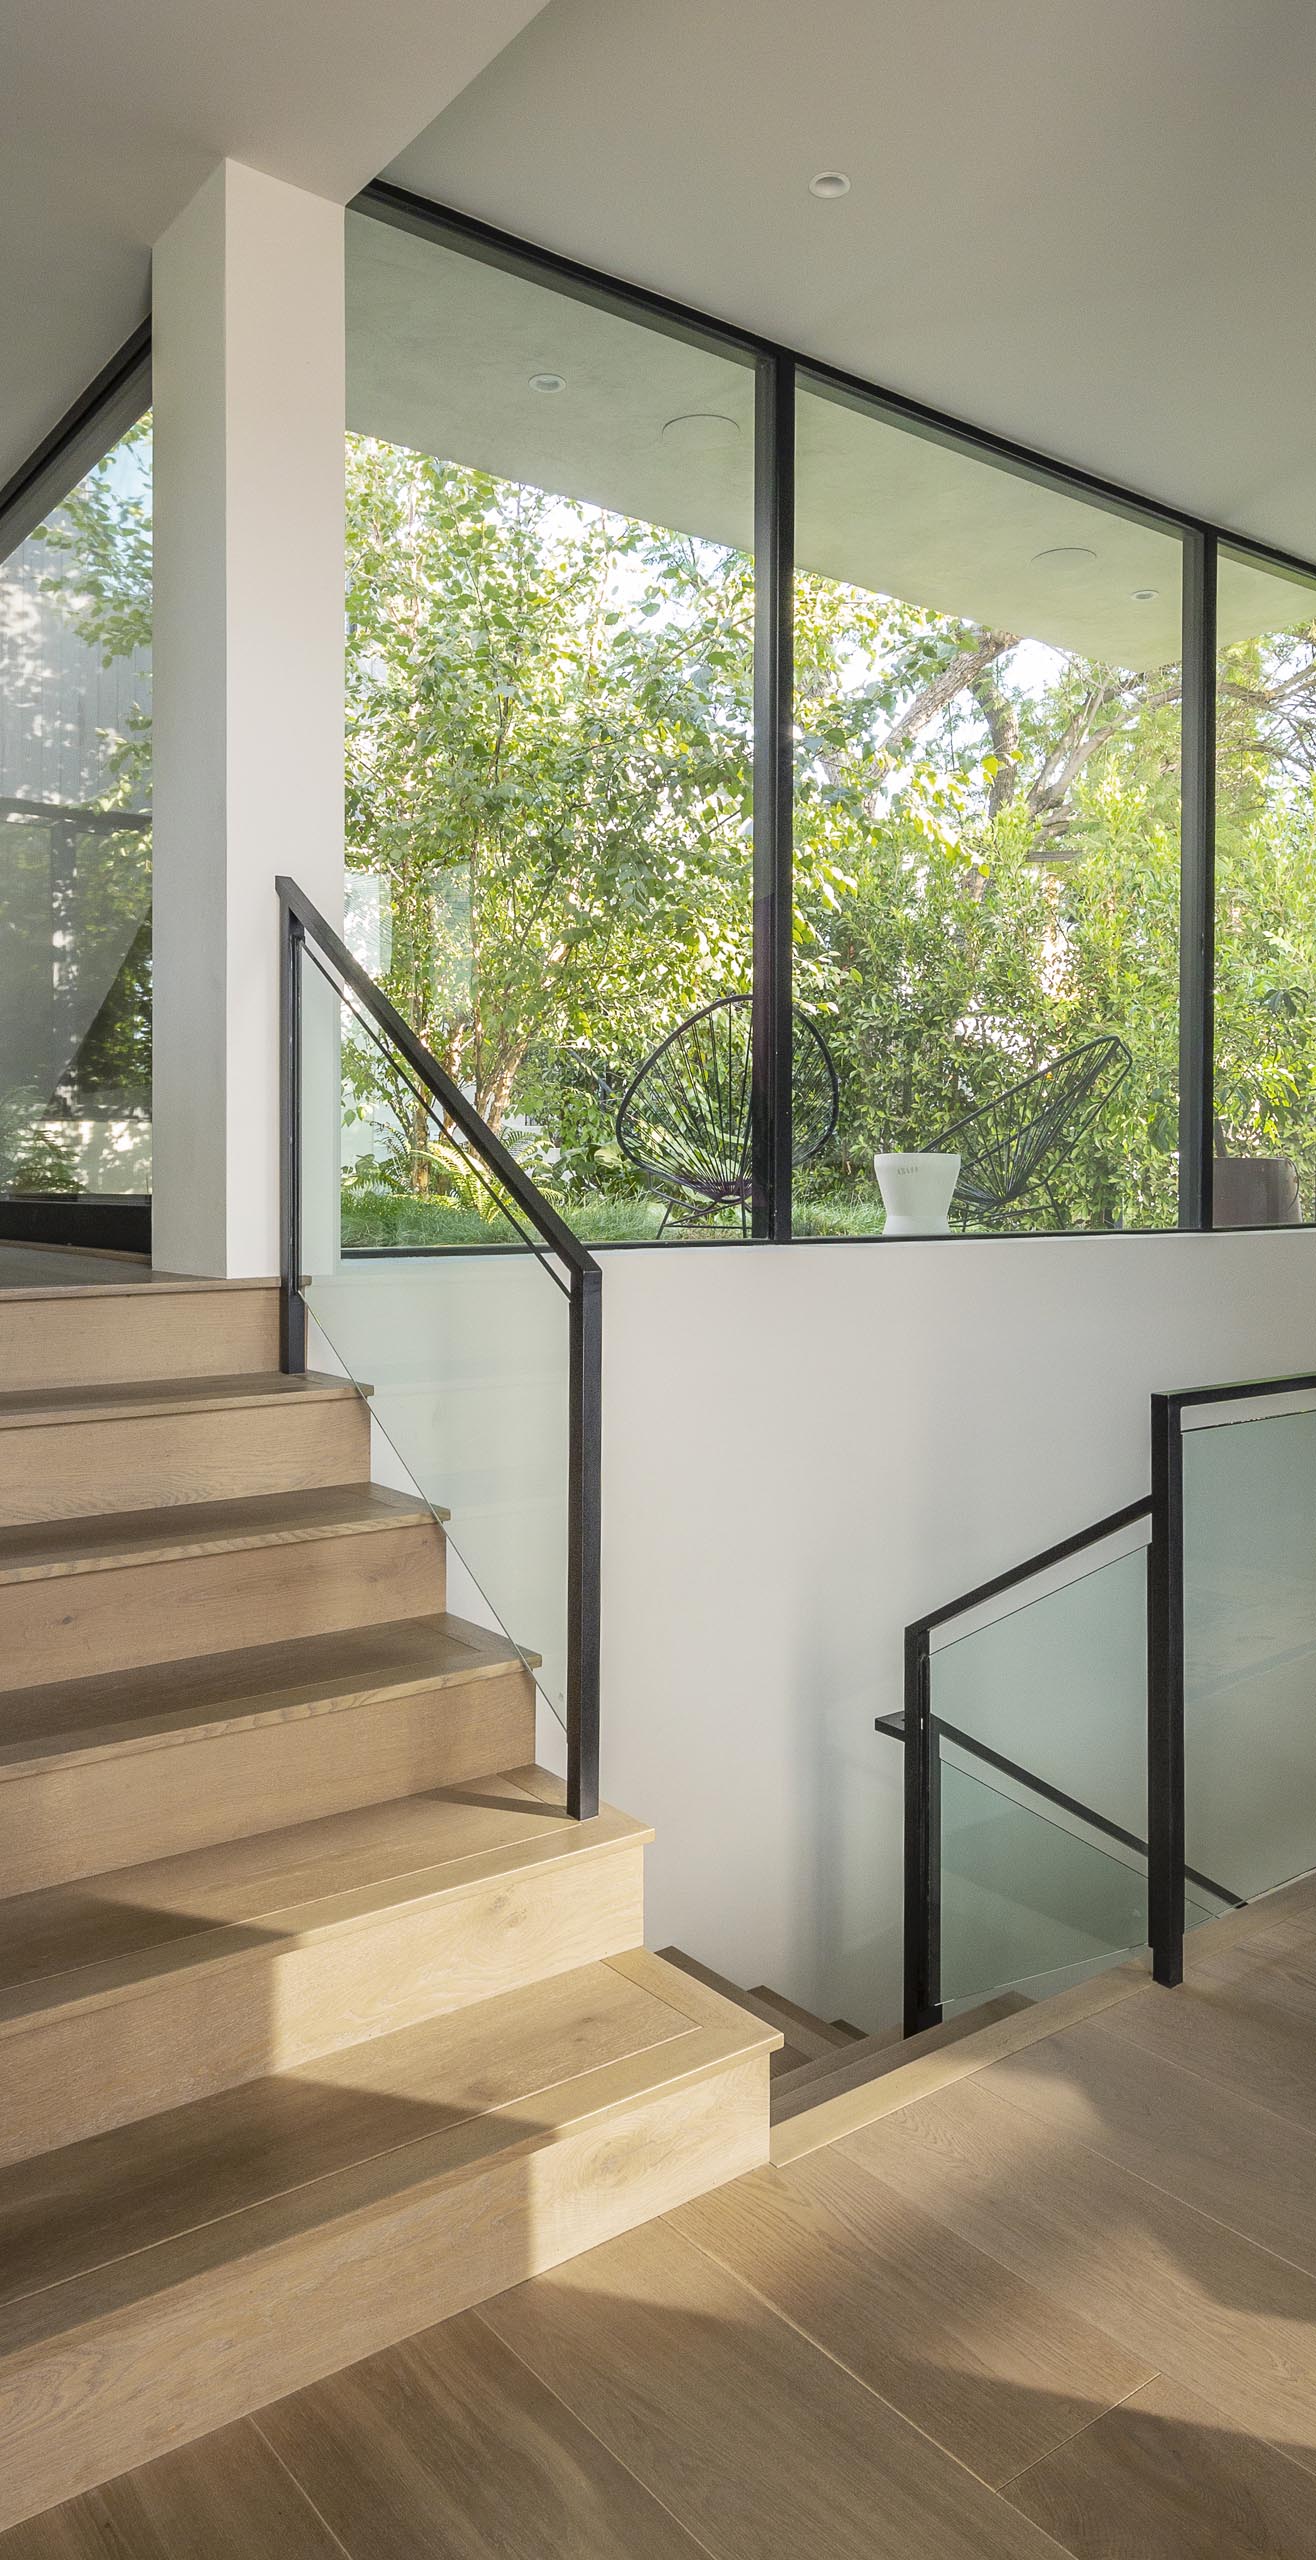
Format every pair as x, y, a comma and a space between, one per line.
249, 402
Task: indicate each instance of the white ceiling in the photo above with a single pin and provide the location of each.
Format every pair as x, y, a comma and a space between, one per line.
113, 111
1088, 224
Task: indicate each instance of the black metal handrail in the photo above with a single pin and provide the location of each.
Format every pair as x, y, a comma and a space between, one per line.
301, 924
922, 1999
921, 1731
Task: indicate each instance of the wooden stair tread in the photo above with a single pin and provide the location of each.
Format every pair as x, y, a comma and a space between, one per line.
811, 2086
161, 1284
43, 1549
68, 1720
789, 2053
108, 1933
864, 2049
827, 2034
28, 1407
131, 2215
69, 2212
727, 1990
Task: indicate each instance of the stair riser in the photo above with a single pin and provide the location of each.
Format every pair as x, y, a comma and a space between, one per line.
72, 1341
70, 1470
72, 1626
90, 1816
210, 2026
204, 2352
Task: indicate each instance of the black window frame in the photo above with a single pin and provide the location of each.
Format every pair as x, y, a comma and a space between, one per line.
122, 391
113, 402
780, 371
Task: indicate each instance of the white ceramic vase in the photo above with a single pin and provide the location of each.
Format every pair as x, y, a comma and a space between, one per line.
917, 1192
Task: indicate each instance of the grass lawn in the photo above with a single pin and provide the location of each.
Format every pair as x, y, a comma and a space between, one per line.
401, 1221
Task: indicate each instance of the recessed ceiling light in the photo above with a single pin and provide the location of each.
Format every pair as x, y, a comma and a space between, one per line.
548, 382
1064, 555
1145, 595
701, 431
829, 182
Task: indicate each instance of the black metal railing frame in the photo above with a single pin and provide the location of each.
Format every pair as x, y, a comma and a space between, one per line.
1166, 1651
302, 925
922, 1739
922, 1733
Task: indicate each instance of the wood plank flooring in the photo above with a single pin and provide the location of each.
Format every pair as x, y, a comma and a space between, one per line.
1064, 2302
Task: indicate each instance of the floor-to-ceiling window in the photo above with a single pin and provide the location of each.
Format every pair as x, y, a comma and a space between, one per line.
987, 829
553, 712
550, 615
1265, 909
75, 859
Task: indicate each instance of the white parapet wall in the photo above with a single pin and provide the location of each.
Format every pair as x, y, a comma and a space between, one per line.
804, 1449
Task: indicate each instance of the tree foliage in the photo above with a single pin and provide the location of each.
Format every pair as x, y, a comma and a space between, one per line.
549, 787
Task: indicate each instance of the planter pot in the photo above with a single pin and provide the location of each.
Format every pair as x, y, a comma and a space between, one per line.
917, 1192
1256, 1191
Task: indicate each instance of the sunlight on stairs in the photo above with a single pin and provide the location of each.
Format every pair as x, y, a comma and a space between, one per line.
319, 2019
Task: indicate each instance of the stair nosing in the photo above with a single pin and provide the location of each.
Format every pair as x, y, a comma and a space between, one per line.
27, 2005
402, 1512
174, 1727
157, 1398
472, 2141
175, 1285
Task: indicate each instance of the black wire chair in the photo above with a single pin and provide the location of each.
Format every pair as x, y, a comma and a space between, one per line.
684, 1119
1006, 1144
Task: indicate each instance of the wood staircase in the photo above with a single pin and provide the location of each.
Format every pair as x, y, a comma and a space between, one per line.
319, 2020
820, 2059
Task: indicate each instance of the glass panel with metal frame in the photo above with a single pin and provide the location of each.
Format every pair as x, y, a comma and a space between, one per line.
1039, 1707
550, 511
1051, 1678
466, 1357
1032, 1898
1038, 1703
987, 822
1249, 1547
75, 841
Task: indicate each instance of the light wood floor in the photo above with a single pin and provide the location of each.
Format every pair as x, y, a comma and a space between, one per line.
1061, 2298
59, 1266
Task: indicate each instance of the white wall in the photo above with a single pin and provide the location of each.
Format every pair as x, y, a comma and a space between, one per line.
806, 1448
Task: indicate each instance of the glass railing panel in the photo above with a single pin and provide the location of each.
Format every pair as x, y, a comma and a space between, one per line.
1249, 1484
1053, 1679
1028, 1898
466, 1354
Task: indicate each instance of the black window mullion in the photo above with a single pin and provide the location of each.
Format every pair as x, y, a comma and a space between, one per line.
774, 711
1197, 884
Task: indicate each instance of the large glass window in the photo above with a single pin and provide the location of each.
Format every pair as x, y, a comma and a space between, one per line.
551, 708
987, 821
1265, 999
75, 863
550, 597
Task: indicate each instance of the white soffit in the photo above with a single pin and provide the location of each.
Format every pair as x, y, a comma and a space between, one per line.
114, 112
443, 350
441, 353
1085, 224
